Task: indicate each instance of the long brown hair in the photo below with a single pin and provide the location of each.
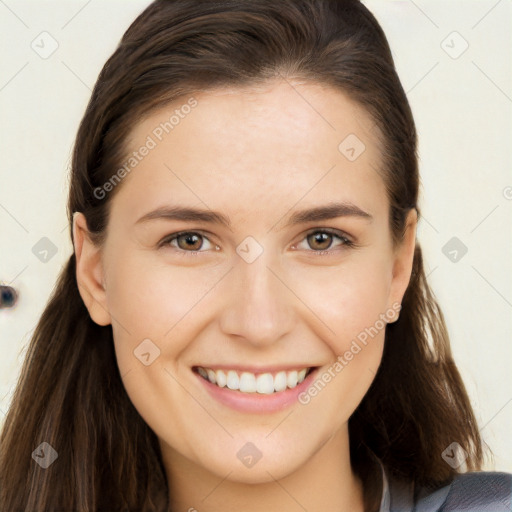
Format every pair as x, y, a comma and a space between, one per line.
70, 393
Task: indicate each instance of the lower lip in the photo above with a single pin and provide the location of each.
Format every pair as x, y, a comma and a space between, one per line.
257, 402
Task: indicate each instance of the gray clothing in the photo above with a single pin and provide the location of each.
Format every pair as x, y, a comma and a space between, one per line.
477, 491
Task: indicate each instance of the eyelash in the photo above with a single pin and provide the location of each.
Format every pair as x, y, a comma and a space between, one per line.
338, 234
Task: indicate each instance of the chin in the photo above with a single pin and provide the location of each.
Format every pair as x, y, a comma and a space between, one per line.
250, 465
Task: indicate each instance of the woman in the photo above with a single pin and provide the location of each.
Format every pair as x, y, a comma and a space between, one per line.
200, 350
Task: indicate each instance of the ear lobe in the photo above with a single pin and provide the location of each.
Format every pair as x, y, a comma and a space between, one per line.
89, 272
404, 257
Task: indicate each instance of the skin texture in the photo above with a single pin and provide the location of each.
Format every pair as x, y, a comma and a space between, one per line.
257, 155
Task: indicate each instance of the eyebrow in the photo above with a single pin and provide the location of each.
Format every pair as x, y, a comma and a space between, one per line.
315, 214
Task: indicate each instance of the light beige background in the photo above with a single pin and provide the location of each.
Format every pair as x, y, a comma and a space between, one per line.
462, 102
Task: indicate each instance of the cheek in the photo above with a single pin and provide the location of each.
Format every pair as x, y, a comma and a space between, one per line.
150, 298
353, 304
350, 300
151, 306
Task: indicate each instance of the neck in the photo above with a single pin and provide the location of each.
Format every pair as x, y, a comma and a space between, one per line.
324, 482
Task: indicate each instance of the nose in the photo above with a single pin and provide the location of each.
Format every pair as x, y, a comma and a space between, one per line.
259, 305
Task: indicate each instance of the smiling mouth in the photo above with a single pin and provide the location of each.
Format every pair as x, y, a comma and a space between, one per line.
247, 382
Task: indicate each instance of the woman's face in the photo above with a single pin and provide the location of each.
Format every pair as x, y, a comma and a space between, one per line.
272, 288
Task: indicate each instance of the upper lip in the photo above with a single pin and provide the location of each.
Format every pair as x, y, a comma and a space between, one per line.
256, 369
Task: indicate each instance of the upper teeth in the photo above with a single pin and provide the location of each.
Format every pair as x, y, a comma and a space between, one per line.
247, 382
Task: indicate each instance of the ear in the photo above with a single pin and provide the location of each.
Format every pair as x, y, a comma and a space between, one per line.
403, 261
89, 272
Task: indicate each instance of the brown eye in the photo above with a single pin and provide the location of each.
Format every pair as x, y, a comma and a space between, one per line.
191, 241
186, 241
321, 240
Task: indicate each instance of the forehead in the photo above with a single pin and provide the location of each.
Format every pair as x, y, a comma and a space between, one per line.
235, 148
